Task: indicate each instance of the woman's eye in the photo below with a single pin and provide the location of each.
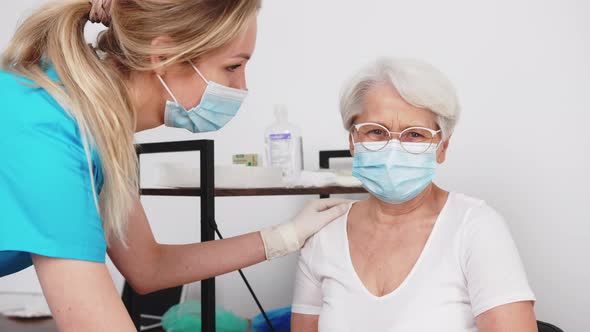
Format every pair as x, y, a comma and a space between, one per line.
234, 67
376, 132
416, 135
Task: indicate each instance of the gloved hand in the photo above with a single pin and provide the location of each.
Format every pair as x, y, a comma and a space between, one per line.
283, 239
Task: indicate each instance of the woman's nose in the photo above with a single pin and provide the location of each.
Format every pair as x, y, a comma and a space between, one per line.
241, 83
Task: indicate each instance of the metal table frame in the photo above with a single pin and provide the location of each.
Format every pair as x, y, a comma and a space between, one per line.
207, 196
207, 193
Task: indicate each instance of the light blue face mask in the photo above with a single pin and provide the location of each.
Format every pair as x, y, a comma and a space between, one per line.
392, 174
219, 104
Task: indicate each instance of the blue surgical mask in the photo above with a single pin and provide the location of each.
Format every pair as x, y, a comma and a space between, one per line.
392, 174
219, 104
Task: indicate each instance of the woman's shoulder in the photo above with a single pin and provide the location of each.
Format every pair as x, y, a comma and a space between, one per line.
337, 227
23, 99
332, 233
27, 107
469, 206
476, 215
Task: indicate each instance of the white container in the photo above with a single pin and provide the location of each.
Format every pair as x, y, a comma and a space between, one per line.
284, 145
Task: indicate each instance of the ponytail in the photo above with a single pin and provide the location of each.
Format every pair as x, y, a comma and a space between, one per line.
91, 91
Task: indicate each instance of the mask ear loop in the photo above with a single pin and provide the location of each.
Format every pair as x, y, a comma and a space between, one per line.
198, 72
167, 88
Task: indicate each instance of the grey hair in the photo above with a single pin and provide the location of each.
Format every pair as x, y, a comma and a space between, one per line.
417, 82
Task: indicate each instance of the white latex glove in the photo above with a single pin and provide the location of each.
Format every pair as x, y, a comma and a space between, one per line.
283, 239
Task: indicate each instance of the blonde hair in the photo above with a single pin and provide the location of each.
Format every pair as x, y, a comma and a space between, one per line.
417, 82
92, 88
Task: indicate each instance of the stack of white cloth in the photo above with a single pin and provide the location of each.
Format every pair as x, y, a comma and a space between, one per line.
324, 178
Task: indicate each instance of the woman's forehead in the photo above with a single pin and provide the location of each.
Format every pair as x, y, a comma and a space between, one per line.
383, 104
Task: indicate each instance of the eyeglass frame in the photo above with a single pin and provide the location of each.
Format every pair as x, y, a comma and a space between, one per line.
399, 134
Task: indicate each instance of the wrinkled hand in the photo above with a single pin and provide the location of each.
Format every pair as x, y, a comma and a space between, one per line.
283, 239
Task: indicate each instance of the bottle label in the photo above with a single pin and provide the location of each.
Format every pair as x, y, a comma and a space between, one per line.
277, 137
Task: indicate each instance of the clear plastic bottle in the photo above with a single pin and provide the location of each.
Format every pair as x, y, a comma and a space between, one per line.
284, 146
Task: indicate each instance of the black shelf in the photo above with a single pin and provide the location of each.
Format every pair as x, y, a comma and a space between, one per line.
241, 192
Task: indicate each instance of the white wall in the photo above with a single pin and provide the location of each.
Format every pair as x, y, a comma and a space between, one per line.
523, 76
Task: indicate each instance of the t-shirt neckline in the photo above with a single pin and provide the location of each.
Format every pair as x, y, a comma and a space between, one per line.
421, 258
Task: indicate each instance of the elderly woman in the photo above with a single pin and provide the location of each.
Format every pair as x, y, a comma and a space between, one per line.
412, 256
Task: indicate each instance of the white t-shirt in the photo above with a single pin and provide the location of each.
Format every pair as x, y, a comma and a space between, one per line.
469, 265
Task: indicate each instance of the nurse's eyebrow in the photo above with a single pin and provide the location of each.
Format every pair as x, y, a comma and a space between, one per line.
243, 56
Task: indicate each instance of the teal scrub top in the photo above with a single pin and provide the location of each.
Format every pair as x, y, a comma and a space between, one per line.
46, 202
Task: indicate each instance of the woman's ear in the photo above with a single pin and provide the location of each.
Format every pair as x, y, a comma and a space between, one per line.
441, 154
155, 58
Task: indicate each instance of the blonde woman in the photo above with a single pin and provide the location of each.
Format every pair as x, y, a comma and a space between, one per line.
68, 176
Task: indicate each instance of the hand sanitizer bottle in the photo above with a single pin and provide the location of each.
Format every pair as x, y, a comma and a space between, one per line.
284, 148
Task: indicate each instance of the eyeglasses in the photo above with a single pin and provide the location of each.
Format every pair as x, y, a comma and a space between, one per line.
374, 137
